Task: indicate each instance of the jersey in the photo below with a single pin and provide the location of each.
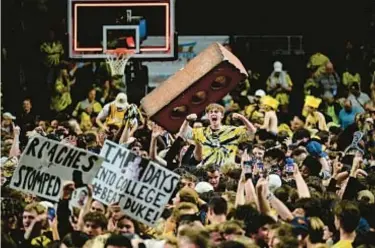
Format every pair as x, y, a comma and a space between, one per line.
220, 146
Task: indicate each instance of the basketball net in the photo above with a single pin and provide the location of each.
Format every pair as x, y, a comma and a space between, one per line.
117, 60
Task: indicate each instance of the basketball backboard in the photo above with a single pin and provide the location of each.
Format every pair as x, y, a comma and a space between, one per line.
145, 27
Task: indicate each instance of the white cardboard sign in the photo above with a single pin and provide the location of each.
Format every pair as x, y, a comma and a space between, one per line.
45, 164
141, 187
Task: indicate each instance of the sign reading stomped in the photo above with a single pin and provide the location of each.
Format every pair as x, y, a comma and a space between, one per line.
45, 164
141, 187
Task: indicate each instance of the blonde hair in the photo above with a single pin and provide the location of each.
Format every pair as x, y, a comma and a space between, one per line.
189, 195
181, 208
246, 241
229, 167
213, 228
197, 236
232, 227
213, 106
316, 223
38, 208
170, 240
97, 242
316, 230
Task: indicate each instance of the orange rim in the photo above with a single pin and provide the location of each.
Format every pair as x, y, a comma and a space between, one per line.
120, 51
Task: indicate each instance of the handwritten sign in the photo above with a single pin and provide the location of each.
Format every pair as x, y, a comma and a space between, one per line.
45, 164
141, 187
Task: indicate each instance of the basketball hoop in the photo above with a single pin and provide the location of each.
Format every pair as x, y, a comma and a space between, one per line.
117, 60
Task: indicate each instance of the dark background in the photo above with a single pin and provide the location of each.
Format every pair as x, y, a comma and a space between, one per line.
90, 26
325, 26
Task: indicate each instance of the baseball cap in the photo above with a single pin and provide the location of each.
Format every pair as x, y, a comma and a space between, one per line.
9, 116
366, 194
260, 93
277, 66
121, 101
46, 204
315, 149
3, 160
274, 182
203, 187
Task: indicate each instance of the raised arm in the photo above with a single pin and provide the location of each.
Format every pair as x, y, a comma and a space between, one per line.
15, 149
302, 188
240, 196
85, 209
264, 206
125, 134
266, 122
103, 114
156, 132
282, 210
250, 194
249, 126
186, 132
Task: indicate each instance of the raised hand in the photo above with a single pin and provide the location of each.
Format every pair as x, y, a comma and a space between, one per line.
296, 171
16, 130
337, 167
245, 157
237, 116
360, 172
288, 141
157, 130
262, 182
191, 117
357, 162
53, 223
67, 190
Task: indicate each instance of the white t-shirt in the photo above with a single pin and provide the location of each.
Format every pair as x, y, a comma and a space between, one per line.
103, 114
359, 101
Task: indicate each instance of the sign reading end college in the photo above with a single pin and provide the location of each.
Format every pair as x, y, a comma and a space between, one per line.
141, 188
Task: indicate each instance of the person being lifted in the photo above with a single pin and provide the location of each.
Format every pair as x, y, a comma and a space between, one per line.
269, 105
217, 144
315, 120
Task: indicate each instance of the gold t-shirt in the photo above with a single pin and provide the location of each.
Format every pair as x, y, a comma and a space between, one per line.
220, 146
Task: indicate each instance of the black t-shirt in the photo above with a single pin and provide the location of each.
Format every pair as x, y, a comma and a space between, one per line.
368, 240
18, 237
42, 241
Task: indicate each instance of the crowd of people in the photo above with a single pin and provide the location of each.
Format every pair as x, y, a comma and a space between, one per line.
252, 174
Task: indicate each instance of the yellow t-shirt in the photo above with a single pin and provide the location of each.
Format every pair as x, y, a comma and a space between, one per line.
348, 79
343, 244
317, 62
220, 146
316, 121
61, 98
115, 116
282, 97
253, 114
53, 52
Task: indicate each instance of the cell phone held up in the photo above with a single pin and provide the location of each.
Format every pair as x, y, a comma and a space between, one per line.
51, 214
260, 165
289, 166
248, 169
248, 166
